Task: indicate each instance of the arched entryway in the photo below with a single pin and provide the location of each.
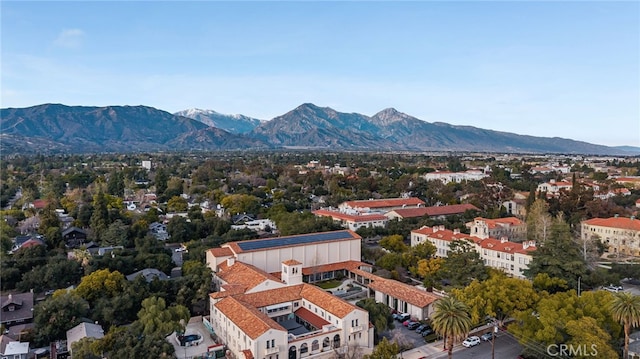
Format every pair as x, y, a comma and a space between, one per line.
293, 352
336, 341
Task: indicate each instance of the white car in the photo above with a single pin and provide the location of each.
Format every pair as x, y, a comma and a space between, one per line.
471, 342
182, 249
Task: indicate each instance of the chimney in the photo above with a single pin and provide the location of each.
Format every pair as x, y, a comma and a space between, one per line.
456, 231
525, 245
441, 227
435, 229
504, 239
615, 215
230, 261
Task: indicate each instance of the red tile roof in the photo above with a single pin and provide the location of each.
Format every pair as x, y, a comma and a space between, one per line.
350, 217
243, 274
443, 234
221, 252
250, 320
505, 246
493, 223
311, 318
434, 210
385, 203
247, 354
404, 292
333, 267
615, 222
291, 262
329, 302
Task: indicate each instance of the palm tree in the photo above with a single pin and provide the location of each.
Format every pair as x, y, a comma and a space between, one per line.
451, 320
625, 308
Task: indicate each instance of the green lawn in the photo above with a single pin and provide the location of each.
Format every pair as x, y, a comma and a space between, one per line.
329, 284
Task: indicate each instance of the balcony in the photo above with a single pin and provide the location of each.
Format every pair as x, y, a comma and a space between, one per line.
274, 350
355, 329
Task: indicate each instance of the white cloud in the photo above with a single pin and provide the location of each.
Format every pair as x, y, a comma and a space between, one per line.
70, 38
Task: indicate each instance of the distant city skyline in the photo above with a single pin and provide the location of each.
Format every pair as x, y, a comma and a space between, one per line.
550, 69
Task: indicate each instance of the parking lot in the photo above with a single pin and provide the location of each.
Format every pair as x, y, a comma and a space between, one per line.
405, 337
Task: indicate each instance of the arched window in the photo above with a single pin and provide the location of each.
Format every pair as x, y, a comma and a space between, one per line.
293, 352
326, 342
315, 345
336, 341
303, 348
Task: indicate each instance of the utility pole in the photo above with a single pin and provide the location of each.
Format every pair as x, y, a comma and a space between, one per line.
493, 339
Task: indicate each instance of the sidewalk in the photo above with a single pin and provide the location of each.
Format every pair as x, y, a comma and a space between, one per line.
431, 349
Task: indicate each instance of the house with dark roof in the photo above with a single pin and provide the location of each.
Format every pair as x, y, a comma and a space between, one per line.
74, 237
83, 330
149, 274
16, 308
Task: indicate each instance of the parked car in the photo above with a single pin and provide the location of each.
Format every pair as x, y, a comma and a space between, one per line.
471, 342
426, 331
487, 336
420, 328
403, 317
413, 325
613, 288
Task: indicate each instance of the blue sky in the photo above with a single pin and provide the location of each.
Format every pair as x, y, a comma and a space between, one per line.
553, 69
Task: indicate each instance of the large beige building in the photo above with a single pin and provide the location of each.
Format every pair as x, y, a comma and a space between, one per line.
510, 257
264, 308
620, 235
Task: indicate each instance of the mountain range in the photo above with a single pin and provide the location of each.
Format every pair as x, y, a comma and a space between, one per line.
56, 128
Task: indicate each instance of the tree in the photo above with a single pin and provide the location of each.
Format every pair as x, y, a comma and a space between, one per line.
240, 203
586, 330
558, 256
156, 318
625, 309
100, 215
57, 314
547, 322
127, 342
384, 350
463, 264
451, 320
85, 348
101, 283
177, 204
538, 221
379, 314
116, 234
499, 297
394, 243
429, 269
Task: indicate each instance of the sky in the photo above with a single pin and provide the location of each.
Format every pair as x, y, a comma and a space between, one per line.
541, 68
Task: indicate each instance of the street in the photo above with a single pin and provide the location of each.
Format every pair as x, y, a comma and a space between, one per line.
506, 347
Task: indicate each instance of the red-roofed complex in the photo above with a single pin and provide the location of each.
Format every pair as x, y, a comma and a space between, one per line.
510, 227
620, 235
511, 257
381, 205
438, 212
354, 221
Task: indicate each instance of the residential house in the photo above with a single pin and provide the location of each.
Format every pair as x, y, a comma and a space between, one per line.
12, 349
74, 237
149, 274
553, 187
16, 308
159, 230
354, 221
83, 330
620, 235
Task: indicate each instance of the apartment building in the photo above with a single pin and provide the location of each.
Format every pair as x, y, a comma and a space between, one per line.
455, 177
620, 235
510, 227
511, 257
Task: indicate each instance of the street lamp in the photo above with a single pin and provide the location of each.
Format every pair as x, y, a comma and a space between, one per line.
493, 338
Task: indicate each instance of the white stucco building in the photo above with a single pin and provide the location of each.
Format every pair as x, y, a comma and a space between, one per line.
354, 221
620, 235
511, 257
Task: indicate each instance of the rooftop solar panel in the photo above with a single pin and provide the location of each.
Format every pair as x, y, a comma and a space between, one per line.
294, 240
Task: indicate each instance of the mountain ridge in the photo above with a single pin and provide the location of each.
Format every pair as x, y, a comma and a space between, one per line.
61, 128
